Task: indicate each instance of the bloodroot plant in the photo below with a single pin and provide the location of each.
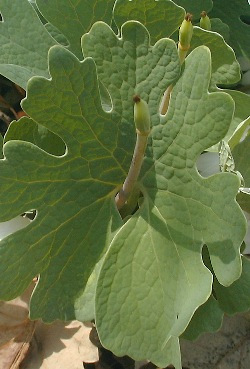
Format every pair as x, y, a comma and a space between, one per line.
127, 230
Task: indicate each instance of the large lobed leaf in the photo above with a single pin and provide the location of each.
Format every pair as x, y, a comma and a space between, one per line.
73, 193
153, 277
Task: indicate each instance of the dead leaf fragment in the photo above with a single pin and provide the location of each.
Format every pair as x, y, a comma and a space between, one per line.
16, 330
61, 345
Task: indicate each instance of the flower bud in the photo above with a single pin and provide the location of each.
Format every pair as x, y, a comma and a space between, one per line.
205, 21
141, 116
186, 32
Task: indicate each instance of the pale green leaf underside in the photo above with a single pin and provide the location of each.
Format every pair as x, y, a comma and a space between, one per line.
127, 66
162, 18
153, 277
73, 193
75, 17
24, 42
230, 12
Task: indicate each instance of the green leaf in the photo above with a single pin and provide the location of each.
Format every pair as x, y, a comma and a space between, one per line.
161, 18
222, 28
24, 48
73, 194
236, 298
127, 66
153, 277
225, 68
242, 164
25, 129
231, 13
85, 179
74, 18
195, 7
207, 318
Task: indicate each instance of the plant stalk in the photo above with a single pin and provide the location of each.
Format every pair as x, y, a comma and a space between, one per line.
134, 170
185, 35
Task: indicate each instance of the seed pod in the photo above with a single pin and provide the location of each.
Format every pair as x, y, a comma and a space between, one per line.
205, 21
141, 116
186, 32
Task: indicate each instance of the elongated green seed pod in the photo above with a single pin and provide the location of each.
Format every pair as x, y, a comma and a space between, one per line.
141, 116
205, 21
186, 32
